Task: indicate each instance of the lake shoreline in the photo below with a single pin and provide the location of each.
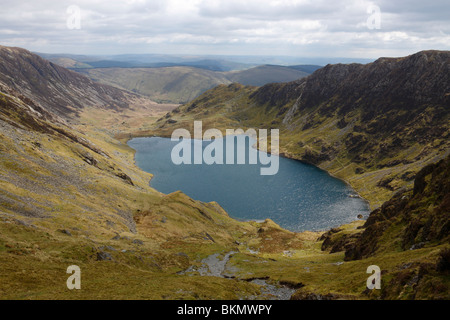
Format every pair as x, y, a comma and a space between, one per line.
285, 155
352, 194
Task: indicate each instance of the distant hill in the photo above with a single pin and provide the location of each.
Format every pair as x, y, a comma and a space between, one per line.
176, 79
209, 62
167, 85
180, 84
212, 65
72, 61
262, 75
306, 68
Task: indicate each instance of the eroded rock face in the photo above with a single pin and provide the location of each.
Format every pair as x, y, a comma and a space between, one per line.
423, 223
59, 90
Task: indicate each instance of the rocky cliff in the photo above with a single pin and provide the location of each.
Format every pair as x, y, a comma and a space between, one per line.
414, 218
60, 90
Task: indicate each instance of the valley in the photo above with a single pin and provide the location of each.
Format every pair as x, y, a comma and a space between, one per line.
71, 193
180, 84
179, 80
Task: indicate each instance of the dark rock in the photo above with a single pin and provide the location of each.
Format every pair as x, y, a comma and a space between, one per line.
342, 123
116, 237
138, 242
420, 183
417, 246
208, 237
443, 263
315, 157
408, 176
125, 177
314, 296
329, 233
263, 229
410, 219
89, 159
37, 144
355, 142
110, 224
192, 107
359, 170
292, 285
104, 256
103, 248
66, 232
385, 183
22, 223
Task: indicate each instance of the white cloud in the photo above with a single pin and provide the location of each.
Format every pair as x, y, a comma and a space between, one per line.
291, 27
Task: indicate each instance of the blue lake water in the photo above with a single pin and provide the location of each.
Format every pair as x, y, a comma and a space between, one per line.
299, 197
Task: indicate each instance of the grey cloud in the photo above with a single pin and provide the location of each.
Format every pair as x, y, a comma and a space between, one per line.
237, 26
259, 10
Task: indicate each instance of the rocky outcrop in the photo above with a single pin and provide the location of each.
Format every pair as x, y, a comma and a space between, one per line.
337, 240
55, 88
417, 218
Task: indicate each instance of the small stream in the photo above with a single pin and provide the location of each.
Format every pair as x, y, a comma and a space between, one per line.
213, 266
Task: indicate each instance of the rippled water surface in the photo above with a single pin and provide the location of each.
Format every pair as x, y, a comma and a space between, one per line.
299, 197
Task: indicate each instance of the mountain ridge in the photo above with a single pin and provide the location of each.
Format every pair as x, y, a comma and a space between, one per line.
56, 87
375, 134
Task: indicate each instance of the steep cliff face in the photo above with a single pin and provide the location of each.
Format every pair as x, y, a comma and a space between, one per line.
401, 83
61, 91
416, 218
397, 102
388, 83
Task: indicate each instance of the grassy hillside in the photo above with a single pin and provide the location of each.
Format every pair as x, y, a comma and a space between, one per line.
72, 198
70, 63
72, 195
262, 75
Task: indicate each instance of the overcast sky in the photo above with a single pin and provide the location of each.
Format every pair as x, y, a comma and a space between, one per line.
305, 28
